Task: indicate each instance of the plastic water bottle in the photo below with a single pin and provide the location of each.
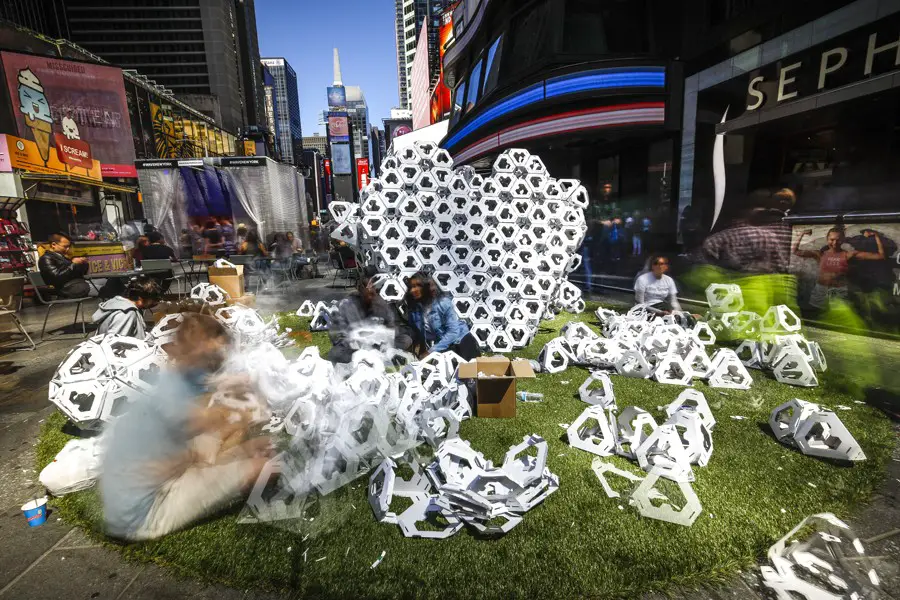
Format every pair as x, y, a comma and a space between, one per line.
535, 366
529, 397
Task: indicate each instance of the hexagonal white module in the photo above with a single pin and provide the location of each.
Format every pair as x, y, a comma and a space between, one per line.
632, 363
499, 341
793, 368
729, 371
209, 294
704, 334
696, 437
823, 434
645, 492
393, 289
785, 419
724, 297
664, 449
692, 399
780, 319
632, 427
553, 358
597, 390
591, 432
671, 368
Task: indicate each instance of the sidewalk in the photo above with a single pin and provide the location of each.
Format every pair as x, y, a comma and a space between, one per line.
56, 561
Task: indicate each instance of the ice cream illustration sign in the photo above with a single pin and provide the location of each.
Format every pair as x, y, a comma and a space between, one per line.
73, 153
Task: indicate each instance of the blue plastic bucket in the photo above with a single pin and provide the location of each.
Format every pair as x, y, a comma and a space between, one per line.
35, 512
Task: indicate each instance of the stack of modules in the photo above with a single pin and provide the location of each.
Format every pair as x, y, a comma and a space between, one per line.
502, 245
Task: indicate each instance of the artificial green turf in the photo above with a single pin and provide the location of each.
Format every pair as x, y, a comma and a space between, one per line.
578, 543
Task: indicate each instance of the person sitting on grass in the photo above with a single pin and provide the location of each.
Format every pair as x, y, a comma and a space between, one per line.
656, 288
171, 459
436, 326
366, 307
123, 315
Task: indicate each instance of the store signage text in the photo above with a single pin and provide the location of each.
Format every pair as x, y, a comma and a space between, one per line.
827, 70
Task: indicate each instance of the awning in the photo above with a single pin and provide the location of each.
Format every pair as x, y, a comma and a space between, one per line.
69, 178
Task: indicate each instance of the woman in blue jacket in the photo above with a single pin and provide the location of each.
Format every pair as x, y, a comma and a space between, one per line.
436, 326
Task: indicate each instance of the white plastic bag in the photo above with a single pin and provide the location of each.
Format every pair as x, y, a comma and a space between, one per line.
75, 468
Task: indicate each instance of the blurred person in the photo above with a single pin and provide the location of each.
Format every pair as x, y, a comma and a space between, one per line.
157, 249
123, 315
296, 244
212, 238
365, 307
656, 287
759, 240
252, 245
281, 247
64, 275
241, 235
227, 230
170, 459
435, 325
834, 264
185, 243
137, 253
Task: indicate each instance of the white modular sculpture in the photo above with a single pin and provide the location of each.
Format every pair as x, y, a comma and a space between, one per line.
815, 431
209, 294
465, 489
501, 242
99, 377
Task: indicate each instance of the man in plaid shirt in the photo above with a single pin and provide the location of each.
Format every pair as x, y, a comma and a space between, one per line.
758, 243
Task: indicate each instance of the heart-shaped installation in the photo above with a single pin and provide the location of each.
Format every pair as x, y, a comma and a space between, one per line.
501, 246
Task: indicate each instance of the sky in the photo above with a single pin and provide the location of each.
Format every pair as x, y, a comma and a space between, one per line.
305, 32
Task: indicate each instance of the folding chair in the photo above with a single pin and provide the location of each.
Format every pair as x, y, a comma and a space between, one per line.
10, 291
347, 269
37, 282
156, 267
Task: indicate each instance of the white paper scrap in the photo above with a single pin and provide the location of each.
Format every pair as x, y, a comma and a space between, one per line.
378, 562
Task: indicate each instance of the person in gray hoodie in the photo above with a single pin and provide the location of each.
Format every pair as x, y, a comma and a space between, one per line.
122, 315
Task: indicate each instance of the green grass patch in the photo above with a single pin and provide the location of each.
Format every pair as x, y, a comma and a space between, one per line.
578, 543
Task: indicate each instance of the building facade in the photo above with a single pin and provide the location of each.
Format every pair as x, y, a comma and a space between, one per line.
47, 17
317, 142
251, 67
410, 17
289, 130
196, 48
358, 113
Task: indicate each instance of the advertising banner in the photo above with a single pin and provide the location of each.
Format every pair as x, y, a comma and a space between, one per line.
338, 127
440, 97
85, 103
163, 131
249, 148
340, 159
362, 172
25, 154
337, 96
860, 265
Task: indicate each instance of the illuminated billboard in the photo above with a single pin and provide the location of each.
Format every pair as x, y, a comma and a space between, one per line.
338, 127
440, 97
340, 159
337, 96
71, 113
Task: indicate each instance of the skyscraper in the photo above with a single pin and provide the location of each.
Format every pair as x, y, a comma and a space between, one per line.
358, 112
205, 51
289, 129
410, 15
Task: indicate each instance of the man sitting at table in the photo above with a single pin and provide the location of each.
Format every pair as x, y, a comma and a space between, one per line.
122, 315
65, 275
158, 250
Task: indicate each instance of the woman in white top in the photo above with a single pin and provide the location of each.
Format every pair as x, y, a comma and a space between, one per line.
656, 287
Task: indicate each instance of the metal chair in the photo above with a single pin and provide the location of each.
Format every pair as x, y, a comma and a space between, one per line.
11, 290
347, 269
155, 267
37, 282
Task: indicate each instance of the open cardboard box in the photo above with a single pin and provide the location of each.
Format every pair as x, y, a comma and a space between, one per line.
495, 390
230, 279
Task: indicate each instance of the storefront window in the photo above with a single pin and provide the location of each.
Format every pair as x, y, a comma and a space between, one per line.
616, 27
492, 67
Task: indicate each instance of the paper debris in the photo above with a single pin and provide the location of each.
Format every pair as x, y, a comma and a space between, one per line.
812, 485
842, 407
321, 559
378, 562
738, 417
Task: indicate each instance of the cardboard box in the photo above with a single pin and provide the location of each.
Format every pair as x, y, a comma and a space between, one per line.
248, 300
230, 279
495, 389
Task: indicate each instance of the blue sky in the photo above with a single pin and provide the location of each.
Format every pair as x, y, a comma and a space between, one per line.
305, 31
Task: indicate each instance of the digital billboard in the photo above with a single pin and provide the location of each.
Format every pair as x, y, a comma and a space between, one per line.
340, 159
71, 112
362, 172
440, 97
337, 96
338, 127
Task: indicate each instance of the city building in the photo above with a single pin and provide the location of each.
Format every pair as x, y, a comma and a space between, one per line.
270, 96
358, 112
420, 83
47, 17
317, 141
203, 50
592, 88
410, 17
399, 123
251, 67
289, 130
